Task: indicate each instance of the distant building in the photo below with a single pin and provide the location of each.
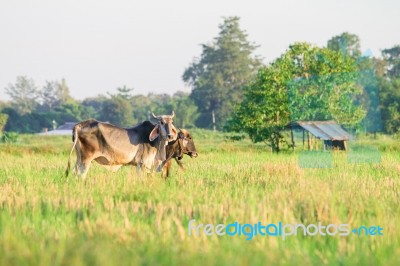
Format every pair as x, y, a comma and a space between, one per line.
65, 129
330, 132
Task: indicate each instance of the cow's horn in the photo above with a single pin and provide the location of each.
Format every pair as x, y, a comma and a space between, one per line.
154, 115
173, 114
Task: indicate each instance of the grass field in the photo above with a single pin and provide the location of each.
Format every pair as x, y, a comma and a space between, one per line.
120, 219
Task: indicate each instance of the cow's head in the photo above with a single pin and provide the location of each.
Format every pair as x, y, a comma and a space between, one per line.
164, 128
188, 146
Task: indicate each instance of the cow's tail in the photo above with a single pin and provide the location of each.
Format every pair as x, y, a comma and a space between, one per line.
75, 140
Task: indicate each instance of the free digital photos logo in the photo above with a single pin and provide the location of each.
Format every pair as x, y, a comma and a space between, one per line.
280, 230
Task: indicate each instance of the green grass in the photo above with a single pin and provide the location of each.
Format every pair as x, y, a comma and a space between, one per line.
120, 219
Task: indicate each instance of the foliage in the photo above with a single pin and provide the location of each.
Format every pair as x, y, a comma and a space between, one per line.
121, 108
9, 137
73, 111
390, 104
218, 76
185, 110
390, 90
392, 57
3, 122
125, 92
94, 106
54, 94
24, 94
305, 83
36, 121
118, 111
142, 106
347, 44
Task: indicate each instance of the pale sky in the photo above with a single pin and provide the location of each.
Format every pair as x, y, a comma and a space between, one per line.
99, 45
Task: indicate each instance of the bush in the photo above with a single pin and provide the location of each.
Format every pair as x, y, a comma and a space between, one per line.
9, 137
3, 122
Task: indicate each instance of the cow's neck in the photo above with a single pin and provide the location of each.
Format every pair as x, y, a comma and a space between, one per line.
161, 150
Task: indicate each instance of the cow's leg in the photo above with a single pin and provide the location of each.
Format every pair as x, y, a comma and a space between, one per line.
166, 169
139, 171
179, 163
85, 168
82, 165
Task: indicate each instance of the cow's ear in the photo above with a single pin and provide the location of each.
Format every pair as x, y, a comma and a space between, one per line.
154, 133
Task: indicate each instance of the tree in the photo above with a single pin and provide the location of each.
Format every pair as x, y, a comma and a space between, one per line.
186, 111
3, 105
54, 94
125, 92
218, 76
118, 111
159, 104
24, 94
143, 105
94, 106
392, 56
297, 86
3, 122
72, 111
346, 43
389, 92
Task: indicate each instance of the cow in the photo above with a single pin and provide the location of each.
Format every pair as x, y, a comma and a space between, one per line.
184, 144
143, 146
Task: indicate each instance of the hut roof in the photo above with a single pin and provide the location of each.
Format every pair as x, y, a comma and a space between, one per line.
326, 130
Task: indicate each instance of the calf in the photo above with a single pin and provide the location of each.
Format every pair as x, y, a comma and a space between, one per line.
184, 144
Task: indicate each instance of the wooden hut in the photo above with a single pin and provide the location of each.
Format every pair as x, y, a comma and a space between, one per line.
330, 132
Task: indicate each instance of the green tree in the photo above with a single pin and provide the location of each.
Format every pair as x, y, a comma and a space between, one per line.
24, 94
26, 123
72, 111
186, 111
389, 94
117, 110
3, 105
159, 104
94, 106
54, 94
297, 85
218, 76
143, 107
346, 43
125, 92
392, 57
390, 90
3, 122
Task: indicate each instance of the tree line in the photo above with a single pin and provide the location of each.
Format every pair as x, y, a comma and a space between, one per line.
32, 110
233, 90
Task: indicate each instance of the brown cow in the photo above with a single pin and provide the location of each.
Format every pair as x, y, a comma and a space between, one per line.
143, 145
184, 144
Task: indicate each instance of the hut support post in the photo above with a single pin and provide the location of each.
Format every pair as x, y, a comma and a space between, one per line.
291, 136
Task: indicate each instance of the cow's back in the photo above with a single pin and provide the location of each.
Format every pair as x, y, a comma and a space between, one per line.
105, 143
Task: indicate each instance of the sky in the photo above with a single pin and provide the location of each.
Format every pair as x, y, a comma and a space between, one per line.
100, 45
